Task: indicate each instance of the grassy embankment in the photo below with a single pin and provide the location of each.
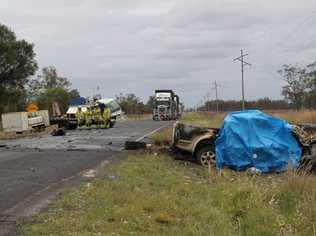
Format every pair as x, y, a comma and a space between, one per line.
155, 195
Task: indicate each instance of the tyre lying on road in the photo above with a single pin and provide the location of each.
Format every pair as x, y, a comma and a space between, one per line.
249, 139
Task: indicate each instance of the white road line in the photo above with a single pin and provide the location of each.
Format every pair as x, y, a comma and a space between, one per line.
151, 133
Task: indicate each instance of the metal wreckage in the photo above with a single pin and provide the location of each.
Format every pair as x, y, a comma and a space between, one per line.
251, 140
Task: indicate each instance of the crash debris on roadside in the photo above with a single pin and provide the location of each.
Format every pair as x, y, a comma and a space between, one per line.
250, 140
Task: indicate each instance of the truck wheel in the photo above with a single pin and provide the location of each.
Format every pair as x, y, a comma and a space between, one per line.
206, 155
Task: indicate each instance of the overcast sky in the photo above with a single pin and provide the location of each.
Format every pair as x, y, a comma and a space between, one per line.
133, 46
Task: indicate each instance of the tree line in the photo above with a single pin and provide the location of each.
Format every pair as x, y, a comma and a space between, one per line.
17, 87
299, 92
300, 88
233, 105
131, 104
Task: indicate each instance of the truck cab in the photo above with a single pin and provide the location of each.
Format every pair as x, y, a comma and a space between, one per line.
165, 105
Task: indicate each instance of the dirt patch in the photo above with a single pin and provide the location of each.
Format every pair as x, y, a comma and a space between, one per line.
27, 133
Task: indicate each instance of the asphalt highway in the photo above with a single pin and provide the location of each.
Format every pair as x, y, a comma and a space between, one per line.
29, 165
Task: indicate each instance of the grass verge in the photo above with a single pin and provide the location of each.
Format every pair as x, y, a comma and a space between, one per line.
155, 195
162, 138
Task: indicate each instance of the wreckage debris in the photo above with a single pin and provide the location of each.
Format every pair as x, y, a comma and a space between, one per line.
58, 132
249, 140
254, 139
134, 145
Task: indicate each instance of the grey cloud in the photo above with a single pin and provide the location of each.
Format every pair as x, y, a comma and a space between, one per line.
139, 45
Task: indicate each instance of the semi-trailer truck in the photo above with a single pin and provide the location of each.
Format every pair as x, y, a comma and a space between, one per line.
166, 105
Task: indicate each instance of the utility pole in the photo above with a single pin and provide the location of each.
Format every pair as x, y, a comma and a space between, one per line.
243, 63
216, 85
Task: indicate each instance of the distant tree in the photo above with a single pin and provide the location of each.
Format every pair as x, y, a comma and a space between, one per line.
59, 95
48, 88
74, 93
233, 105
50, 79
311, 86
17, 63
131, 104
295, 78
300, 88
150, 104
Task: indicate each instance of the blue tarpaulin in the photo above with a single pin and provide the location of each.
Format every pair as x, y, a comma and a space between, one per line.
77, 101
253, 139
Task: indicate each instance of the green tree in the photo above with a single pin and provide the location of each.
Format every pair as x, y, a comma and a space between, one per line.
311, 86
150, 104
59, 95
300, 88
50, 79
48, 88
131, 104
17, 63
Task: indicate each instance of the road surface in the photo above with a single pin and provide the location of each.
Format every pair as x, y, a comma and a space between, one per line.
30, 165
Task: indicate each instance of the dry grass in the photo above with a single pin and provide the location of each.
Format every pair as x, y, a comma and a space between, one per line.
210, 119
162, 138
204, 119
155, 195
303, 116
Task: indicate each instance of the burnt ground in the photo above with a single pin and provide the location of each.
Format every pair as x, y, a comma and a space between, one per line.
34, 169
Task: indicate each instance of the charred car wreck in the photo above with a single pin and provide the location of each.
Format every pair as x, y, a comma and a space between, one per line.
239, 144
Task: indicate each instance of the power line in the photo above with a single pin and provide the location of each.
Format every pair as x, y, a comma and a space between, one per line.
243, 63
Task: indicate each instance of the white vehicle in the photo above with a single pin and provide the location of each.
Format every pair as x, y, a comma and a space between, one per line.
72, 122
116, 112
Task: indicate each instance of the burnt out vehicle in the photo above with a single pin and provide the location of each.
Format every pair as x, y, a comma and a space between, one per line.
200, 142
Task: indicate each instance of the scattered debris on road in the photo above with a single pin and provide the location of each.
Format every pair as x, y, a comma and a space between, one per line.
134, 145
59, 132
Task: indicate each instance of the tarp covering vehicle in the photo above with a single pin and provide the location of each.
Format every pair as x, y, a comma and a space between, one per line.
253, 139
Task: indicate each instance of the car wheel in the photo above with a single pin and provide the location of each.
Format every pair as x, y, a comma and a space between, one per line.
206, 155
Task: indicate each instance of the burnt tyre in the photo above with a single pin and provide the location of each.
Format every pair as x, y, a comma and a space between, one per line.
206, 155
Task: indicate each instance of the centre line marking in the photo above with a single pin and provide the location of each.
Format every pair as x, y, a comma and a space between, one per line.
151, 133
